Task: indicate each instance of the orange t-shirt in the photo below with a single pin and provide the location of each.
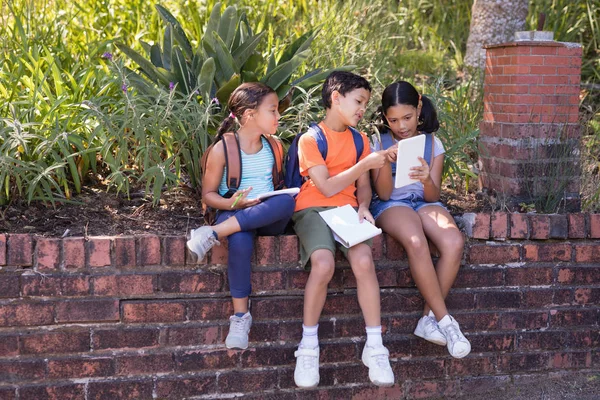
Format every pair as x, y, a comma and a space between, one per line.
341, 155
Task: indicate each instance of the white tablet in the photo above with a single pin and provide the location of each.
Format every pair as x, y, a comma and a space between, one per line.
408, 152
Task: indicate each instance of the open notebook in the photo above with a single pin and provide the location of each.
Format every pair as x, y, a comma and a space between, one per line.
408, 152
290, 191
346, 228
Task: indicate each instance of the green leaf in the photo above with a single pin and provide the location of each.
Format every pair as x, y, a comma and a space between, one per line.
224, 59
197, 63
246, 49
272, 63
167, 47
155, 56
146, 66
225, 91
227, 25
282, 73
206, 77
316, 79
181, 71
146, 46
298, 46
178, 32
213, 24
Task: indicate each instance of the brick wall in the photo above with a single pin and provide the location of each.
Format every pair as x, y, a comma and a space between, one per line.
135, 318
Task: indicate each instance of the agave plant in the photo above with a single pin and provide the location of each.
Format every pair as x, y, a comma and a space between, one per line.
225, 57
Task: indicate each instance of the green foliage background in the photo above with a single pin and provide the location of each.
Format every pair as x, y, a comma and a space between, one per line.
71, 118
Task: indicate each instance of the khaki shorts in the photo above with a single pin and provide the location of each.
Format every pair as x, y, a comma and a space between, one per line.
314, 234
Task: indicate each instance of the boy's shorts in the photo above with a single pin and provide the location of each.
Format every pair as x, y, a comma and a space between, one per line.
314, 234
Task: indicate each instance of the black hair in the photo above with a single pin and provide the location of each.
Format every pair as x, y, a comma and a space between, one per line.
343, 82
247, 96
402, 92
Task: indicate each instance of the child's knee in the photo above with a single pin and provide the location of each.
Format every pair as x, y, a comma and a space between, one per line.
363, 265
453, 243
322, 269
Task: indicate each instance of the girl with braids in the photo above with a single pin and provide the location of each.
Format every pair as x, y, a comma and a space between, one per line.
412, 214
240, 215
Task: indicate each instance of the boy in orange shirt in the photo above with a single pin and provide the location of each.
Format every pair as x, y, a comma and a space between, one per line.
336, 181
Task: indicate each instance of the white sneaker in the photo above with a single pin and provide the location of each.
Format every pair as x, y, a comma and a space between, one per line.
237, 338
201, 241
377, 359
458, 345
306, 374
428, 329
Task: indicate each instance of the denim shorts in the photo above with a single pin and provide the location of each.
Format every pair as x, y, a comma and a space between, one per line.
413, 201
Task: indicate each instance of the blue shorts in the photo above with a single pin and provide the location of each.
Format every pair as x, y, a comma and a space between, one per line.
413, 201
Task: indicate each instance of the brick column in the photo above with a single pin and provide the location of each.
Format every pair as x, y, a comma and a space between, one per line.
530, 132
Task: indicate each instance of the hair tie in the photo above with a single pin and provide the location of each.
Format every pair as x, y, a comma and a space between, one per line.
231, 115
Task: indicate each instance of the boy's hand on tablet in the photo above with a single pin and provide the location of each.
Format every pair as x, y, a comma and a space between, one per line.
376, 159
392, 153
421, 173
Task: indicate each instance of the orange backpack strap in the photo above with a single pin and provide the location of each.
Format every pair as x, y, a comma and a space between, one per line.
277, 150
233, 161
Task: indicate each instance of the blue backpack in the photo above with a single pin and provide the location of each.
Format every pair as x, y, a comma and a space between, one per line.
292, 166
387, 141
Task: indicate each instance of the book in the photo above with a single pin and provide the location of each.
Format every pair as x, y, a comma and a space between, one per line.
346, 227
408, 152
290, 191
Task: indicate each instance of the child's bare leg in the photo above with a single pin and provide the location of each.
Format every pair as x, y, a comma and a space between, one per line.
240, 305
439, 226
361, 261
411, 236
322, 268
227, 227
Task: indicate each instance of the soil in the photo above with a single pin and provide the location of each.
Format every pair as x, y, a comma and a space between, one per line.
96, 212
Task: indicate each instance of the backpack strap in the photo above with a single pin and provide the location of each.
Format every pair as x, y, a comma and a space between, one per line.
320, 138
359, 144
277, 150
233, 161
429, 148
386, 142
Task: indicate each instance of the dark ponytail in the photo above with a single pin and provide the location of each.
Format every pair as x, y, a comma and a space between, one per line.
402, 92
247, 96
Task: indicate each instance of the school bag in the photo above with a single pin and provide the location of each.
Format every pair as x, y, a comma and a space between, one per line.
292, 164
387, 141
233, 161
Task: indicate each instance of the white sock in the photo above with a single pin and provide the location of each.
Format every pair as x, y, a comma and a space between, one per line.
310, 337
374, 336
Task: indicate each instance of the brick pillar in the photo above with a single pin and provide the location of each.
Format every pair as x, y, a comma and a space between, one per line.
530, 132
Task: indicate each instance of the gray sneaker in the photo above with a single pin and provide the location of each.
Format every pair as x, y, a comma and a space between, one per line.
201, 241
237, 338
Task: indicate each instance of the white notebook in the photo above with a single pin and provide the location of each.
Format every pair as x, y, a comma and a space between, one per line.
290, 191
346, 228
408, 152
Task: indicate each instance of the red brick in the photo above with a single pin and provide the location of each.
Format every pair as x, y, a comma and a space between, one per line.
471, 366
207, 310
75, 285
418, 369
520, 320
47, 252
577, 226
493, 253
149, 250
267, 280
99, 251
8, 393
346, 304
125, 252
74, 252
297, 279
371, 393
494, 342
393, 249
153, 311
477, 321
276, 308
122, 390
288, 249
80, 367
571, 360
58, 392
67, 341
499, 225
405, 279
498, 300
37, 285
572, 318
594, 226
481, 226
87, 311
540, 226
518, 226
176, 282
180, 388
587, 253
9, 345
9, 285
559, 228
2, 249
219, 254
549, 340
199, 335
125, 338
266, 250
583, 296
17, 371
547, 252
26, 314
241, 381
198, 360
144, 364
20, 250
123, 285
484, 384
521, 276
482, 277
441, 389
457, 301
579, 276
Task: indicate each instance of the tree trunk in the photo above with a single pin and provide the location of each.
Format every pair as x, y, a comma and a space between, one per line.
493, 22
